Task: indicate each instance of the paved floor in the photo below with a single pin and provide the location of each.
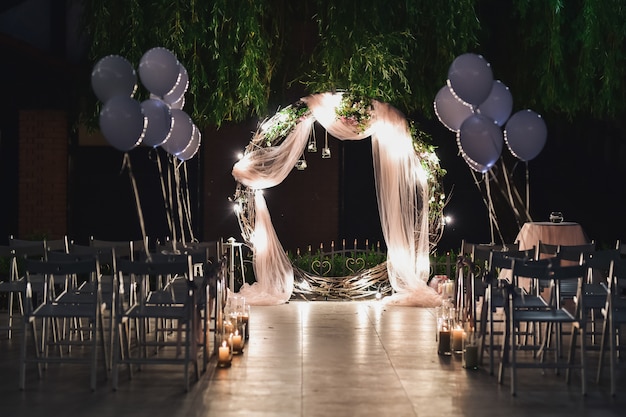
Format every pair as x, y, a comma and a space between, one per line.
314, 359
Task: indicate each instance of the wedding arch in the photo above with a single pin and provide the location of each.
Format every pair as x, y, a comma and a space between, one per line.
404, 182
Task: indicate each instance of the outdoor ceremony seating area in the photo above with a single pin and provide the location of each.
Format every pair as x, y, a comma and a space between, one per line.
135, 323
114, 306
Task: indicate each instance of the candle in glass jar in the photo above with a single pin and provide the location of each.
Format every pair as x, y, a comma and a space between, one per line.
237, 342
457, 339
223, 357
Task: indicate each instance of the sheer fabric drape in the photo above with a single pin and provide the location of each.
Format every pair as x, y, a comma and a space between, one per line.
402, 192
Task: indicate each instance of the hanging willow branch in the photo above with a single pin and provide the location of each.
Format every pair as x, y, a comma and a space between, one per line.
242, 55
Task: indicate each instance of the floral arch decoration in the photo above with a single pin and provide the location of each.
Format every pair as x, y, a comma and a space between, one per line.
408, 187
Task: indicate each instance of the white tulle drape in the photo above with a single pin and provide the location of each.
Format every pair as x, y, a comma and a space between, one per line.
402, 192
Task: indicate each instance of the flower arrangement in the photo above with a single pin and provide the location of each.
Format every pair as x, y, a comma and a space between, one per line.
435, 173
278, 126
355, 111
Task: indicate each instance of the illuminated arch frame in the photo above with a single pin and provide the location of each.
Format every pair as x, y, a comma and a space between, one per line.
409, 193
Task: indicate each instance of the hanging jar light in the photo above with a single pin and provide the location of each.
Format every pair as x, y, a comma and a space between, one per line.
312, 145
301, 163
326, 149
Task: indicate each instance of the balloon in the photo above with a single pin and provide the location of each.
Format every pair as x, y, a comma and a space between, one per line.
473, 164
193, 146
113, 76
159, 122
181, 134
451, 111
470, 78
122, 122
498, 104
178, 92
480, 140
525, 134
178, 104
158, 71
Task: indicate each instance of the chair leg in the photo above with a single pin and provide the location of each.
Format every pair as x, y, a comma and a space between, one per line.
613, 355
583, 360
513, 364
22, 376
94, 352
571, 354
117, 352
603, 341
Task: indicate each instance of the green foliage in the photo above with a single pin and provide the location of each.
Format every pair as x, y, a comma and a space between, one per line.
242, 55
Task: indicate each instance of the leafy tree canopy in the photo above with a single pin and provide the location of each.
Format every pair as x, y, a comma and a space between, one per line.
561, 56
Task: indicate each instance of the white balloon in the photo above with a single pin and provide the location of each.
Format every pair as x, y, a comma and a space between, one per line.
158, 71
113, 76
122, 122
159, 119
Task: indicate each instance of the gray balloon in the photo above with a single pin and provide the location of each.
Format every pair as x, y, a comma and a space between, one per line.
498, 104
451, 111
122, 122
113, 76
470, 78
480, 138
182, 132
525, 134
159, 122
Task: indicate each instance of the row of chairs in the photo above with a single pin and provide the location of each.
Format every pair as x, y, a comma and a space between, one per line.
541, 290
74, 300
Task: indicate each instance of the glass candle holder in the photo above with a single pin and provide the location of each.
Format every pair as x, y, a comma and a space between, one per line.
225, 351
238, 343
470, 351
444, 337
245, 318
556, 217
456, 338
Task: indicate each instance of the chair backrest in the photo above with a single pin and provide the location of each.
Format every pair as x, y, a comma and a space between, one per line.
617, 277
575, 253
568, 278
157, 265
598, 264
67, 267
131, 249
22, 249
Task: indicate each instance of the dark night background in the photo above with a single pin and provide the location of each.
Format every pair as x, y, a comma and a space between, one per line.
580, 172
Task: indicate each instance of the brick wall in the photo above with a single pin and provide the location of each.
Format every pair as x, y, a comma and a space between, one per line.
43, 178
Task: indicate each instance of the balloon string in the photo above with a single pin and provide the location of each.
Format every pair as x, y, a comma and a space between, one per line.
179, 205
527, 191
164, 193
126, 164
509, 193
187, 202
493, 212
488, 205
171, 205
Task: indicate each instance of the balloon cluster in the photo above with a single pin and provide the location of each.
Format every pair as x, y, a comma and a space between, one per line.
476, 106
157, 121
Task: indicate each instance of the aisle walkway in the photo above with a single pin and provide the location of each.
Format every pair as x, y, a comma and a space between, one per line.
313, 359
